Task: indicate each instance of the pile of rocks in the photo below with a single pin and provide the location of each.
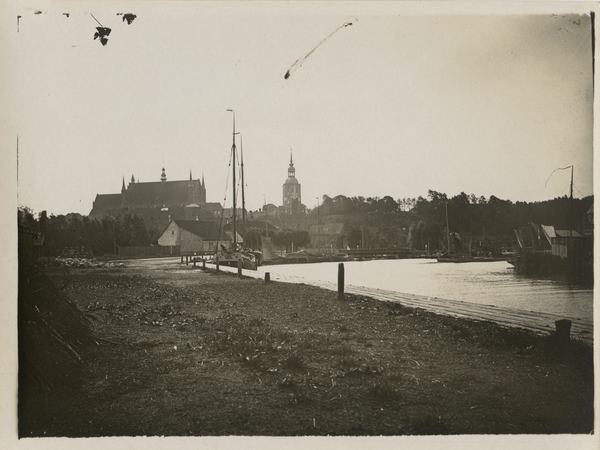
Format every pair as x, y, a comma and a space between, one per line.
85, 262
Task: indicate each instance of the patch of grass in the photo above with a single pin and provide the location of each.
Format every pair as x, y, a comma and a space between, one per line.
293, 362
383, 391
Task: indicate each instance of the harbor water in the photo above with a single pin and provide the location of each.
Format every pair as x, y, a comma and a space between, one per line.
488, 283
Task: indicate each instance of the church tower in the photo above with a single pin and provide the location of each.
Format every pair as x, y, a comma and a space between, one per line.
291, 191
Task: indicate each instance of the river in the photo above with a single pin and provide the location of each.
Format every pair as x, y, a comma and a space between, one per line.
493, 283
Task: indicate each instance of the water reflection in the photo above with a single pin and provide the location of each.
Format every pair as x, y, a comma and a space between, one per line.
493, 283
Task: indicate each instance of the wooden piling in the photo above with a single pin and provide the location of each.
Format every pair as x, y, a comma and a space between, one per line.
240, 268
563, 331
217, 262
203, 263
341, 281
186, 260
267, 277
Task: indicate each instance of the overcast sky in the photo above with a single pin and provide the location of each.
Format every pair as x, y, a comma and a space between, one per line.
404, 100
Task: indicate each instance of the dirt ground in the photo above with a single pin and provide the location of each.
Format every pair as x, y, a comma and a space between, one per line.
183, 351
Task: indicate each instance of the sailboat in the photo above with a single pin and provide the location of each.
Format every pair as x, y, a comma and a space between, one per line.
457, 257
236, 254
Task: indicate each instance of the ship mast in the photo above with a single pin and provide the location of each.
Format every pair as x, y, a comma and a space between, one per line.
447, 229
243, 202
233, 156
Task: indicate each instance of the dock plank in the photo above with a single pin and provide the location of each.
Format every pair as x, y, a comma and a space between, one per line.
538, 322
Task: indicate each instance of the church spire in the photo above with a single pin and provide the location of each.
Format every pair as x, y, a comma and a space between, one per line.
291, 170
163, 175
123, 187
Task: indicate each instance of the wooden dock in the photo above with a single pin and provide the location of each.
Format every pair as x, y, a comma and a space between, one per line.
538, 322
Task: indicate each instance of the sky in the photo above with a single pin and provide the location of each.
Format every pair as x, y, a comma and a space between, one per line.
478, 98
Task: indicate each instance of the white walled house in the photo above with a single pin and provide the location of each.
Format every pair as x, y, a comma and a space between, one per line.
192, 236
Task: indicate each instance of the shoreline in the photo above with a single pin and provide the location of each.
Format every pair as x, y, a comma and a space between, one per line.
183, 352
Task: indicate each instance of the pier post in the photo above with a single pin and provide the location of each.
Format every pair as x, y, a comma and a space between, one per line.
217, 262
194, 261
563, 331
203, 263
186, 260
341, 281
240, 268
181, 259
267, 277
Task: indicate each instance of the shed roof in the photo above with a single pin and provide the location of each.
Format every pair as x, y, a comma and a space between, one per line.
205, 229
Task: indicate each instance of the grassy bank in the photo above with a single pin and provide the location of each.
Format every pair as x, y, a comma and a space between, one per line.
191, 352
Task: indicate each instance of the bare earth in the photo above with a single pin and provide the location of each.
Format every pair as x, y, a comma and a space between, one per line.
185, 351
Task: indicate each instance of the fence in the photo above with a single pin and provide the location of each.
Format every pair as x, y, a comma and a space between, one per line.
149, 250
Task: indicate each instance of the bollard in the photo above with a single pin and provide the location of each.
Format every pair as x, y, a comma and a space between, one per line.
341, 281
240, 268
203, 263
217, 263
182, 260
563, 331
194, 261
267, 277
186, 260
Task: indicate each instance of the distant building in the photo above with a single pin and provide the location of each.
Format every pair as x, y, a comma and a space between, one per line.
292, 199
160, 194
158, 202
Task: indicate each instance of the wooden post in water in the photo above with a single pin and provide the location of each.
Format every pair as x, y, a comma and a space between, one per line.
267, 277
240, 268
341, 281
186, 260
181, 259
563, 330
203, 263
217, 262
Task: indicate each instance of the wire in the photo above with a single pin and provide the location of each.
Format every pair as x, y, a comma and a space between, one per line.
562, 168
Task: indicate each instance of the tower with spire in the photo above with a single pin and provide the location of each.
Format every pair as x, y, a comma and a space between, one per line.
292, 198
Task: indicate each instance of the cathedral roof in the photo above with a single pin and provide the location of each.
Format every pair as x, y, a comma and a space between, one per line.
159, 193
105, 202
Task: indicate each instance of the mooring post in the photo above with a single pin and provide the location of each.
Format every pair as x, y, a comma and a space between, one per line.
240, 268
341, 281
563, 330
203, 263
181, 259
267, 277
186, 260
194, 261
217, 262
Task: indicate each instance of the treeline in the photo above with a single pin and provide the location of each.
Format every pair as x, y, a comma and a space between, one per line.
77, 235
421, 223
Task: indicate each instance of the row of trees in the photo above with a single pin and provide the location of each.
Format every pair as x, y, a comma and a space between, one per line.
89, 236
479, 222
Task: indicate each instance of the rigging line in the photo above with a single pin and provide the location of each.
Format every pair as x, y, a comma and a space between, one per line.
97, 20
227, 181
561, 168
